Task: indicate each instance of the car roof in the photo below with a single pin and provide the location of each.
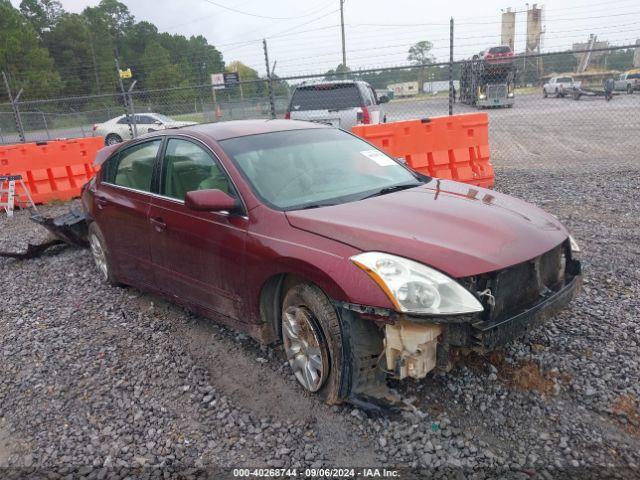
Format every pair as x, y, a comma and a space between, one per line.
242, 128
313, 83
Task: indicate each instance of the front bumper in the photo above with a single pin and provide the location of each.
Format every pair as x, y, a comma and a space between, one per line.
495, 102
487, 335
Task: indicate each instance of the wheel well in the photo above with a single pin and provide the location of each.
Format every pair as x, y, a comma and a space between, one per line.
271, 297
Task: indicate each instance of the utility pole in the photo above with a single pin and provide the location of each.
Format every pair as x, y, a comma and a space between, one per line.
125, 101
272, 104
344, 51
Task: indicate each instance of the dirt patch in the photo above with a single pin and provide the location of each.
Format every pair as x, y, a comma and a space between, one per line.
525, 376
627, 409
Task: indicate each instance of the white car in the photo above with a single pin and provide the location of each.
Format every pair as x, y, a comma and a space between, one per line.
117, 129
559, 86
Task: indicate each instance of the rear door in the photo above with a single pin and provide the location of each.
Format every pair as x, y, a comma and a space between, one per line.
121, 210
198, 257
336, 104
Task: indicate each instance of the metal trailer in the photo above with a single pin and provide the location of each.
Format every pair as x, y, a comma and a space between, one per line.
578, 92
485, 84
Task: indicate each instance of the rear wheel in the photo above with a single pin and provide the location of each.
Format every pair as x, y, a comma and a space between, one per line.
544, 93
112, 139
312, 339
629, 89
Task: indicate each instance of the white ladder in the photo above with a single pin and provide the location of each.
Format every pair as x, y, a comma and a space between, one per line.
11, 197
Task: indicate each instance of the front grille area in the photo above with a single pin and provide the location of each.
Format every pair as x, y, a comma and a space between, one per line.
521, 285
496, 91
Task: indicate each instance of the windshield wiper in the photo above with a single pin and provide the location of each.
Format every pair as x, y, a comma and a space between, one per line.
393, 188
315, 205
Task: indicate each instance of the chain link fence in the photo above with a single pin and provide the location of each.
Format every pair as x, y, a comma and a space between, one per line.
537, 109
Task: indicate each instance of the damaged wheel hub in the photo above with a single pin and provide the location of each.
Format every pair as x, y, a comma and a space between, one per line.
305, 347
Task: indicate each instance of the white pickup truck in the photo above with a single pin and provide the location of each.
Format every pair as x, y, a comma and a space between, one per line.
559, 86
628, 81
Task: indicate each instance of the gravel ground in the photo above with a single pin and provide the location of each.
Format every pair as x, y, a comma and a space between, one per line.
97, 381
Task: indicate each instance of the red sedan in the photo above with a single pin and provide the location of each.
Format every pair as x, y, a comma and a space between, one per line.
304, 234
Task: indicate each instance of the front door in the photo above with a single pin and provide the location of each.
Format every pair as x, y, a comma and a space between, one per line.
122, 208
198, 257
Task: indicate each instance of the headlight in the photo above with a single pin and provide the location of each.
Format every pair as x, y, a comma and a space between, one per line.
510, 95
416, 288
574, 245
482, 96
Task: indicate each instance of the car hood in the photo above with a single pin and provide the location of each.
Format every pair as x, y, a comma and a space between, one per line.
457, 228
179, 124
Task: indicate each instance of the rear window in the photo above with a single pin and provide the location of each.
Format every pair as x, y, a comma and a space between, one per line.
502, 49
326, 97
565, 80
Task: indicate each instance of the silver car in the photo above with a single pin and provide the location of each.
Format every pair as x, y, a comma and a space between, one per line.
341, 103
118, 129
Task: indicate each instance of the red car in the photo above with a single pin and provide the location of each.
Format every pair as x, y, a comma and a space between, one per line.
306, 234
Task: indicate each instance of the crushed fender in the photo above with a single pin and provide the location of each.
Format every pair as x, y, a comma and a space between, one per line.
67, 229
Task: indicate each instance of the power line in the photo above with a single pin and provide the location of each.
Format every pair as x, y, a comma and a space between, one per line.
263, 16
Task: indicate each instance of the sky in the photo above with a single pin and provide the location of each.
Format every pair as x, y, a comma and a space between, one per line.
303, 37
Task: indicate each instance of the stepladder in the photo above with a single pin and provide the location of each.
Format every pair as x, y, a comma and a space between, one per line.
10, 198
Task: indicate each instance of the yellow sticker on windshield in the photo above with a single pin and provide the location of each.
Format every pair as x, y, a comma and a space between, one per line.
378, 157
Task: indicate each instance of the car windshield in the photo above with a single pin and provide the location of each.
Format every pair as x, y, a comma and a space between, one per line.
501, 49
331, 96
308, 168
163, 118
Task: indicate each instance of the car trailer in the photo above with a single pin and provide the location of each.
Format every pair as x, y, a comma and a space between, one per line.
579, 92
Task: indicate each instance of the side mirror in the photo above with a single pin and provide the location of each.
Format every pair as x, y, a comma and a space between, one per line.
158, 122
212, 200
383, 99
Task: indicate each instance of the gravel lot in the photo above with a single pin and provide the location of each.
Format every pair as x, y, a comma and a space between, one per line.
95, 381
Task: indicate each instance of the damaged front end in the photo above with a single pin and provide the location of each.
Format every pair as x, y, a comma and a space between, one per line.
67, 229
515, 299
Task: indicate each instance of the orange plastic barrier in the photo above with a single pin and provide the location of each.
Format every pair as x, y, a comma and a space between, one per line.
454, 147
54, 170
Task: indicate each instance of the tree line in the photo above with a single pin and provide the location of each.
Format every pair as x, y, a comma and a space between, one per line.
50, 52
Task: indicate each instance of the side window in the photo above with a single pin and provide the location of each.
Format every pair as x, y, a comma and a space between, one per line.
144, 119
189, 167
366, 95
373, 95
124, 120
133, 167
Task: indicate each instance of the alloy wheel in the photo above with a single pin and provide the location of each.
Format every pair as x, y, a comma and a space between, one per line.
99, 257
305, 347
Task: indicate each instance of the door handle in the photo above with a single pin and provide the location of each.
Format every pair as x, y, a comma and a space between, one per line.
101, 202
158, 224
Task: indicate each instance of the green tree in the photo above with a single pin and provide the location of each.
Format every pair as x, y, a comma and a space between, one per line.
339, 73
247, 73
42, 14
70, 43
110, 19
419, 55
28, 65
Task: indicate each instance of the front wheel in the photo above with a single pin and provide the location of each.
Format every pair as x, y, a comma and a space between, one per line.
544, 93
629, 89
312, 339
100, 255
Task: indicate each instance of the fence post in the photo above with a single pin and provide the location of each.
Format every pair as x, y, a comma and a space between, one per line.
451, 94
46, 127
14, 107
272, 105
125, 99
